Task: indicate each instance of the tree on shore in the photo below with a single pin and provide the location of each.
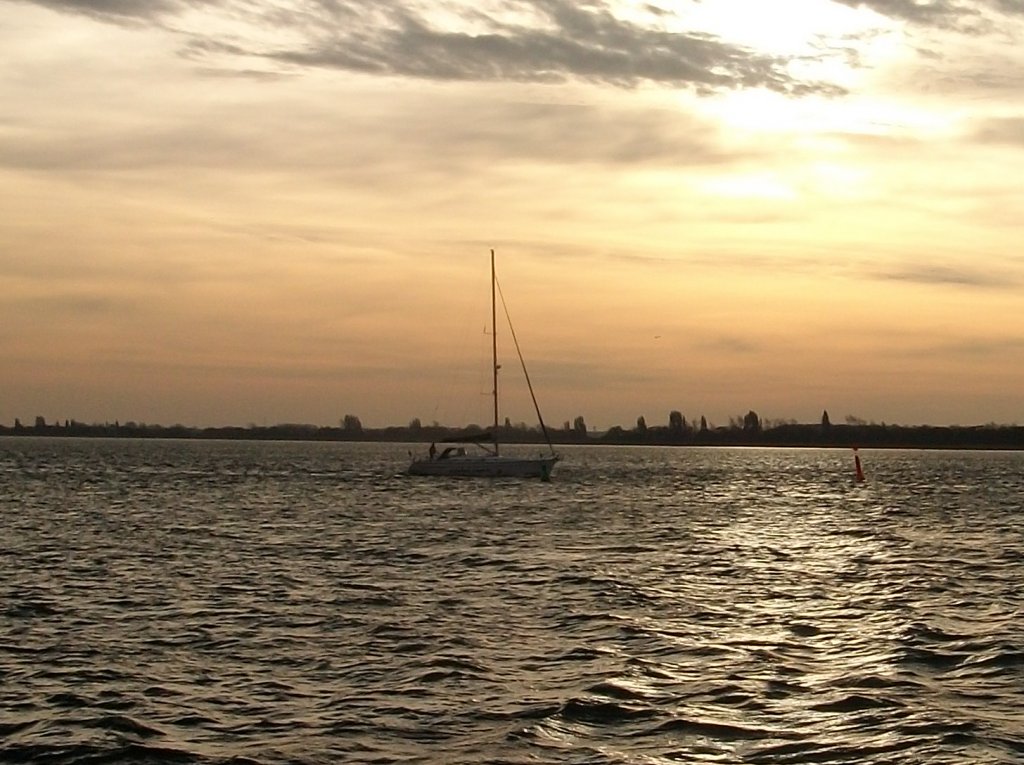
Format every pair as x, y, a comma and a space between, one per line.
751, 422
676, 422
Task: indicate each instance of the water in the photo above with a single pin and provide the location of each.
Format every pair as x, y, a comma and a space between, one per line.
216, 602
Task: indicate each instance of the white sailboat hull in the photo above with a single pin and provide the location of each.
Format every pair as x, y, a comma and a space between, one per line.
486, 466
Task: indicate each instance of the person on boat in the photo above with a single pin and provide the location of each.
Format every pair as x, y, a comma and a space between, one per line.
433, 451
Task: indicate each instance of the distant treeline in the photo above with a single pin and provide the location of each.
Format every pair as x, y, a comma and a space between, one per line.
748, 431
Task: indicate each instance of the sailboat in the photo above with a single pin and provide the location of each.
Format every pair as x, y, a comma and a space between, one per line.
487, 461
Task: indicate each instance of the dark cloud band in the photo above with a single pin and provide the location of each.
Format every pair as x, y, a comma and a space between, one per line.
388, 37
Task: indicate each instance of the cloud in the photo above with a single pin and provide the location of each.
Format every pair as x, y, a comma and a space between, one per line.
526, 41
967, 347
567, 134
946, 14
77, 305
969, 16
996, 347
966, 48
442, 132
1008, 131
574, 42
730, 344
118, 11
933, 13
954, 276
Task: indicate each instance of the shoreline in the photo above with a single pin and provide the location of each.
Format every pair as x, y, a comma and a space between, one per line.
988, 437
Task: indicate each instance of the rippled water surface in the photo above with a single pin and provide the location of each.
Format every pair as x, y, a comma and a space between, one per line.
216, 602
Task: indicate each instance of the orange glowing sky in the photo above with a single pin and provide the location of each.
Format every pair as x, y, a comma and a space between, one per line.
281, 211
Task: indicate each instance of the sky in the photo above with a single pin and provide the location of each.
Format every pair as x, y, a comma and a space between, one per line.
252, 212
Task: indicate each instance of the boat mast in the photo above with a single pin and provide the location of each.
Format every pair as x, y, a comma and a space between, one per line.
494, 350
